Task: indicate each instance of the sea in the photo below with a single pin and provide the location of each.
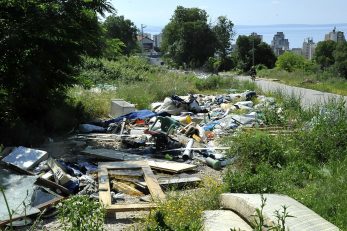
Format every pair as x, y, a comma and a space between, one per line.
295, 33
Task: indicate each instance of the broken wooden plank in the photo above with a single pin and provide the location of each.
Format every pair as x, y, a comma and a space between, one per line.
110, 155
170, 166
126, 172
126, 188
130, 207
176, 181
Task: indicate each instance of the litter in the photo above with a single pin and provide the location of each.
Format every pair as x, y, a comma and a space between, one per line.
25, 158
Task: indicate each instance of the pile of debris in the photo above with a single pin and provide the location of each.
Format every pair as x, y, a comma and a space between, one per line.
145, 150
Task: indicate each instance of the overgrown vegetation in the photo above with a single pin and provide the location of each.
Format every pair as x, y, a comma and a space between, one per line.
326, 81
183, 210
138, 82
81, 213
308, 164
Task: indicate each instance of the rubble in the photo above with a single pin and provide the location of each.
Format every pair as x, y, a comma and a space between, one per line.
148, 149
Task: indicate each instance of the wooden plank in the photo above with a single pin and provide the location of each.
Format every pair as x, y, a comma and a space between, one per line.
130, 207
104, 186
126, 172
110, 155
152, 184
176, 181
170, 166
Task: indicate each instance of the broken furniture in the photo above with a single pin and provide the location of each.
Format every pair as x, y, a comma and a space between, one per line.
105, 188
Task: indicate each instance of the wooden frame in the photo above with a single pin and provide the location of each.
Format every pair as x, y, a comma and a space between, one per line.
105, 190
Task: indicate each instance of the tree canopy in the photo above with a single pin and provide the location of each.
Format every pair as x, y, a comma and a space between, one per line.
324, 53
41, 44
263, 53
187, 38
117, 27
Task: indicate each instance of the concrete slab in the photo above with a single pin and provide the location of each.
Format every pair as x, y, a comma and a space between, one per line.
304, 218
223, 220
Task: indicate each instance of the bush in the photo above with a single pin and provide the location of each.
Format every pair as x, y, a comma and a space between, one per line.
81, 213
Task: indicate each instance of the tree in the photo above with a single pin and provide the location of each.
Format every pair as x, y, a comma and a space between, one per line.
117, 27
324, 53
263, 54
187, 38
290, 61
224, 34
41, 44
340, 56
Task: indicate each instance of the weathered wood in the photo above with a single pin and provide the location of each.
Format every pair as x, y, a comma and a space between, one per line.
110, 155
176, 181
126, 188
130, 207
170, 166
104, 185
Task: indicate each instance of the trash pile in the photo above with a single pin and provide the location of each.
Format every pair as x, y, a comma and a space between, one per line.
127, 161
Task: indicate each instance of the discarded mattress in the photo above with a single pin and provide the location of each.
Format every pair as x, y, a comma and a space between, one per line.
303, 218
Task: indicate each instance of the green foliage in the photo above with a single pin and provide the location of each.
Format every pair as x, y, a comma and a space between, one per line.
183, 211
224, 33
290, 61
41, 44
80, 213
117, 27
244, 53
312, 161
187, 38
340, 56
324, 53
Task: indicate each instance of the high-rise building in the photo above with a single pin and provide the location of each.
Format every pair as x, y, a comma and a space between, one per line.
308, 48
337, 36
279, 43
157, 39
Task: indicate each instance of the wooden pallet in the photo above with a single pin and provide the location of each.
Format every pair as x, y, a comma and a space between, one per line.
154, 188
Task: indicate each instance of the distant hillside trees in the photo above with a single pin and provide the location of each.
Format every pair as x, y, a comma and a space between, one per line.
118, 29
243, 54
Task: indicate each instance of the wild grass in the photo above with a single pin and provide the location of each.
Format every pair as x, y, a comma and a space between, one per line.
321, 81
308, 165
149, 84
183, 210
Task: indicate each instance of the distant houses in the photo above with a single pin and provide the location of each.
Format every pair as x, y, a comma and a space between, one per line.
336, 36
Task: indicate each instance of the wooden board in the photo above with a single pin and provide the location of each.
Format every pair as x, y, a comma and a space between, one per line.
110, 155
170, 166
176, 181
105, 188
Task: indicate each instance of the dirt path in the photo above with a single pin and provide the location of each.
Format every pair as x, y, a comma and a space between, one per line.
308, 97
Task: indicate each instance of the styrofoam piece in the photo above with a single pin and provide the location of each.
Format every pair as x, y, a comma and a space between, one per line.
120, 107
25, 158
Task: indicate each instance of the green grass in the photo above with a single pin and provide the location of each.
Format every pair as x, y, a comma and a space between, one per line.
326, 82
149, 84
308, 165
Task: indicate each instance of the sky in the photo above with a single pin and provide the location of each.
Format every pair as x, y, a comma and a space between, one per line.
157, 13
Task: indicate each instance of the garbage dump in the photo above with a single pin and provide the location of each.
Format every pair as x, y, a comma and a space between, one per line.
127, 162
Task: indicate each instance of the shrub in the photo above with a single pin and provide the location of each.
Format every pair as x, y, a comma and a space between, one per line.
81, 213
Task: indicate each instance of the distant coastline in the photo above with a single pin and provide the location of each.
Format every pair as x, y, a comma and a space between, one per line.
296, 33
